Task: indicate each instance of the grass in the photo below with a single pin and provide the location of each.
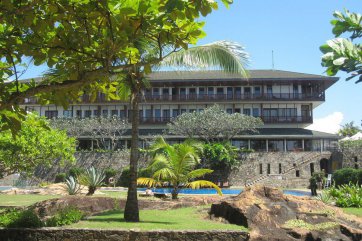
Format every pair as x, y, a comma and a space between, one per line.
297, 223
354, 211
23, 200
191, 218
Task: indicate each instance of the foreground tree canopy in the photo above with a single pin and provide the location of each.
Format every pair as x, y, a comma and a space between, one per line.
86, 44
349, 129
213, 124
344, 54
36, 144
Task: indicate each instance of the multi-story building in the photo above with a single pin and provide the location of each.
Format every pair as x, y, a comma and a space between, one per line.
283, 100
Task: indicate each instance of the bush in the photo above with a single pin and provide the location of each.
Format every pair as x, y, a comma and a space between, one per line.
60, 177
20, 219
346, 176
65, 216
220, 155
75, 171
347, 195
123, 180
109, 172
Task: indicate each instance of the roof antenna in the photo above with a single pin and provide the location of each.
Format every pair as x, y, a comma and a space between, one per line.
272, 59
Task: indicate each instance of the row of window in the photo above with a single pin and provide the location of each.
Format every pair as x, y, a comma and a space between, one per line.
166, 113
297, 172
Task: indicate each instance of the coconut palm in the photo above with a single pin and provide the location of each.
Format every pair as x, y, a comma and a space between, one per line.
176, 164
226, 56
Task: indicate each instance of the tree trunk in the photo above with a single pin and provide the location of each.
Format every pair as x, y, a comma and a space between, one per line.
131, 212
91, 190
174, 193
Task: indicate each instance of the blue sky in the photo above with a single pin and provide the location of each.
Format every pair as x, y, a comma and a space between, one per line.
294, 30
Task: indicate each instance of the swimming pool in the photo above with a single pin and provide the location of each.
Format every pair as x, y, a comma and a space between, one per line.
3, 188
225, 191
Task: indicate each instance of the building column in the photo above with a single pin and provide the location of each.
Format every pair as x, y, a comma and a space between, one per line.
267, 148
249, 144
321, 145
303, 144
285, 145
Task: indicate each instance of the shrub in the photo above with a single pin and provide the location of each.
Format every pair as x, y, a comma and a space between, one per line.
317, 177
75, 171
65, 216
109, 172
347, 175
60, 177
220, 155
20, 219
123, 180
347, 195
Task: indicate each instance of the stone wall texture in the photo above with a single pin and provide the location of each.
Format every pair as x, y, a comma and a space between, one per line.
274, 164
57, 234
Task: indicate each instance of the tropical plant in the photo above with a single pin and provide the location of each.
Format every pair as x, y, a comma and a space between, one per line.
347, 195
349, 129
325, 197
36, 144
60, 177
72, 185
92, 178
176, 165
346, 176
222, 155
65, 216
342, 53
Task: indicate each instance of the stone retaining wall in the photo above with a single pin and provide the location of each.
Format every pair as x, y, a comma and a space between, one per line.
55, 234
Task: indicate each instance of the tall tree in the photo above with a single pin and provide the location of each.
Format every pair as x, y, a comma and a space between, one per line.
344, 54
36, 144
213, 124
349, 129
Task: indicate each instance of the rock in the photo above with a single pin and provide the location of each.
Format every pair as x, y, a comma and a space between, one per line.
268, 213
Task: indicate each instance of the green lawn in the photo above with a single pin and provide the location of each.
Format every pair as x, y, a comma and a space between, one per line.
191, 218
355, 211
23, 200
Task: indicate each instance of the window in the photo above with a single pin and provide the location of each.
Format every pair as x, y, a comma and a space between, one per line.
79, 113
258, 145
260, 168
122, 114
246, 111
275, 145
148, 114
257, 91
156, 91
157, 114
229, 93
269, 90
114, 113
237, 110
95, 113
268, 169
183, 111
105, 113
87, 113
294, 145
297, 173
202, 93
229, 110
247, 92
256, 112
67, 113
166, 115
280, 168
220, 92
50, 114
175, 113
311, 166
237, 91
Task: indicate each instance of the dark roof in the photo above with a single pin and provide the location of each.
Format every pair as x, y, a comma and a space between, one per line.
253, 75
262, 132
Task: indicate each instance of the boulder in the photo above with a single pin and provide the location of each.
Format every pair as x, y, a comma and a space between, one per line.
271, 215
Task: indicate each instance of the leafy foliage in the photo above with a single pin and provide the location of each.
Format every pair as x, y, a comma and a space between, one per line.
92, 178
176, 165
345, 176
350, 149
75, 171
347, 195
349, 129
220, 155
60, 177
109, 173
65, 216
20, 219
342, 53
317, 177
36, 144
213, 124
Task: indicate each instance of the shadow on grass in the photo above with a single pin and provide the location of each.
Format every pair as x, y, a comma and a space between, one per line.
109, 217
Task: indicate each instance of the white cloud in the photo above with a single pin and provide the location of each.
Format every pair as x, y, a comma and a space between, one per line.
330, 124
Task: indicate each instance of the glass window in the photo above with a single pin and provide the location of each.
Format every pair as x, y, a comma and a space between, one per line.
67, 113
275, 145
87, 113
229, 110
105, 113
256, 112
247, 91
183, 111
246, 111
156, 91
294, 145
175, 113
257, 91
166, 114
95, 113
240, 143
79, 113
114, 112
157, 114
258, 145
122, 114
50, 114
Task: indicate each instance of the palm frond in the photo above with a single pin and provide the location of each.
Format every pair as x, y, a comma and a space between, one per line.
223, 55
199, 173
149, 182
159, 161
203, 183
164, 174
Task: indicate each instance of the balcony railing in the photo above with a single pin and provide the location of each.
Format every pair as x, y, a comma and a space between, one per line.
208, 97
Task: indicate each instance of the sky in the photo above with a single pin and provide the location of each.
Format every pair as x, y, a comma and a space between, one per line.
293, 30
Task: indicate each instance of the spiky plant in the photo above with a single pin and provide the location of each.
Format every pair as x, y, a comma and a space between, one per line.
72, 185
92, 178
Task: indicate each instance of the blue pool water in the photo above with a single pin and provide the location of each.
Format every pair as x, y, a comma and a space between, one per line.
2, 188
225, 191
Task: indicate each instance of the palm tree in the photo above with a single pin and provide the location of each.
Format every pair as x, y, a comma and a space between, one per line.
227, 56
176, 165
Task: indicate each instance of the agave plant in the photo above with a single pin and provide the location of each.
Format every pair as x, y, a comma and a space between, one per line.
72, 185
92, 178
